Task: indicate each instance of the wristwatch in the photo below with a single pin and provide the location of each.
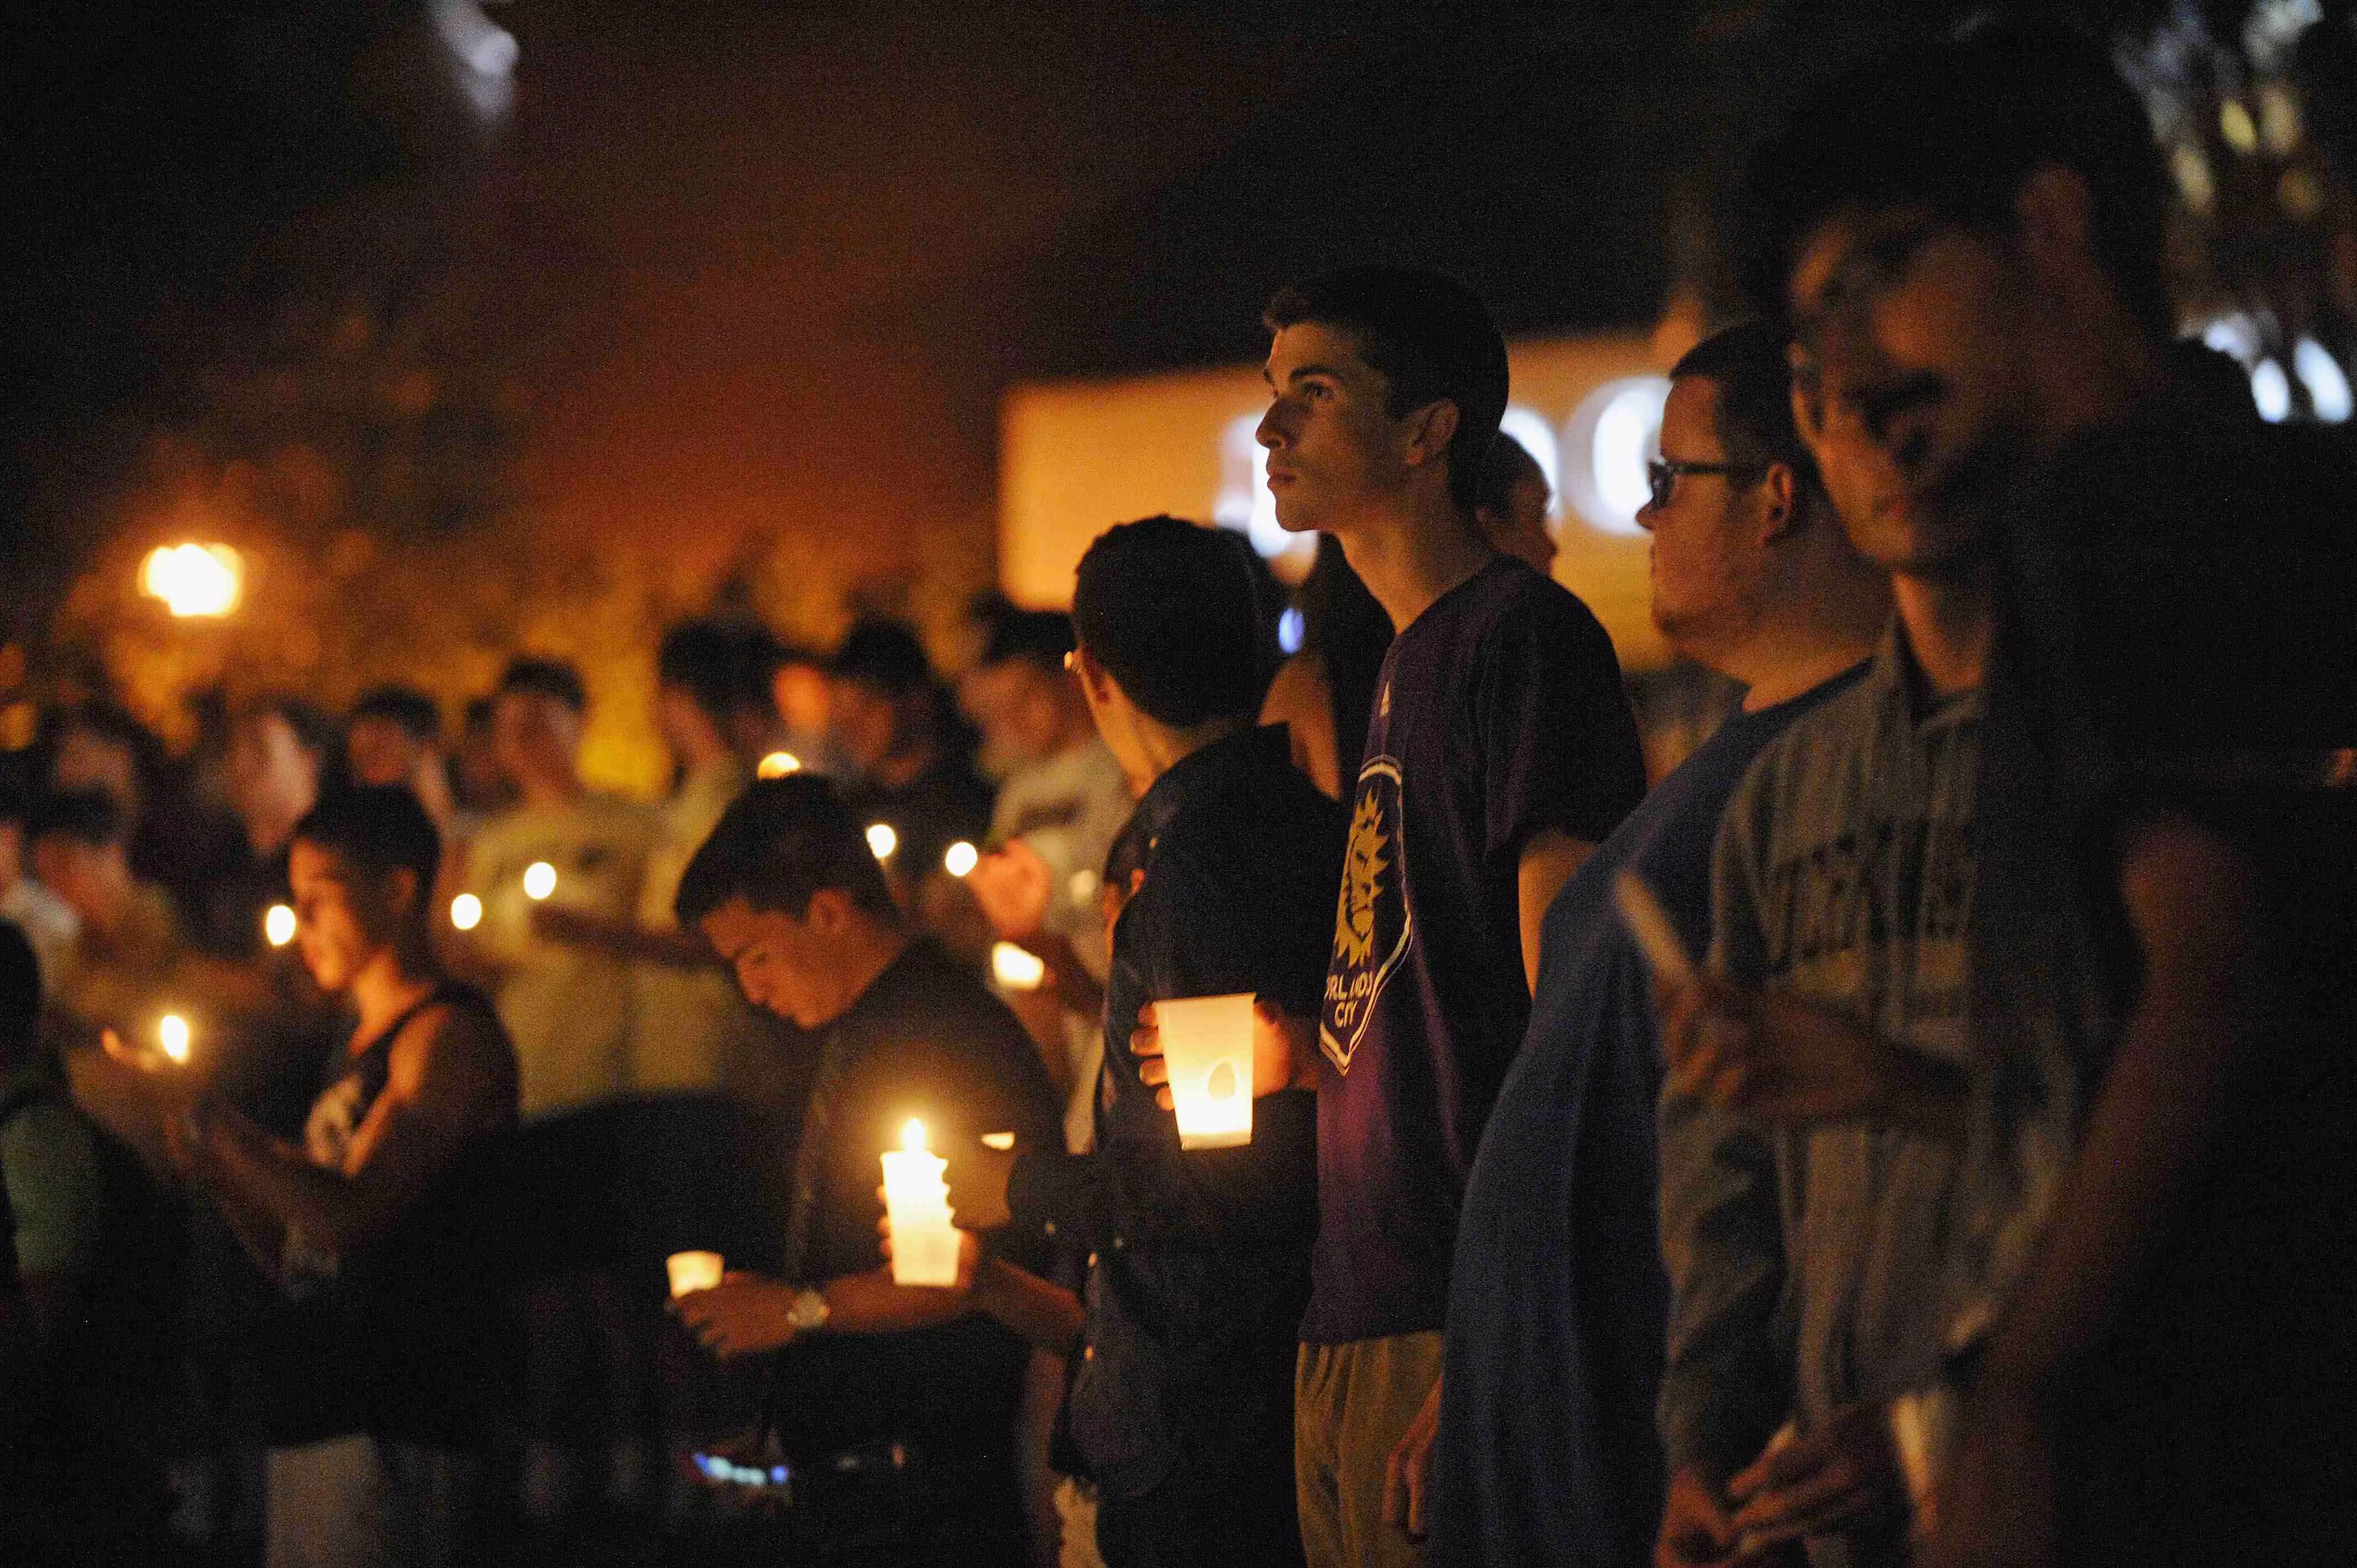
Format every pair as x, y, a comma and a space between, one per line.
808, 1314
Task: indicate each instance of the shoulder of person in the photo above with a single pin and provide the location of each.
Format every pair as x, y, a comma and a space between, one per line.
1525, 607
42, 1123
1800, 753
454, 1035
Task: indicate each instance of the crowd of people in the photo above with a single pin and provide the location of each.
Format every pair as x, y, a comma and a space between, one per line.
1914, 1129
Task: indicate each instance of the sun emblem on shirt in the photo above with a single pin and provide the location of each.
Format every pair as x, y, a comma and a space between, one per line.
1373, 929
1362, 869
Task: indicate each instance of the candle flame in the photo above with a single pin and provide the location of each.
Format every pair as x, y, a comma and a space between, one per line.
962, 858
882, 840
777, 763
278, 925
465, 911
912, 1136
539, 880
173, 1032
1015, 967
193, 579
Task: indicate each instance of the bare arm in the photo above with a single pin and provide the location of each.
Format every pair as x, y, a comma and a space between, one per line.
1045, 1313
441, 1090
1547, 862
2189, 1047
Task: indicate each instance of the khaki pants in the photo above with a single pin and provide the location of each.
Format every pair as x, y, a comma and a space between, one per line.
367, 1502
1352, 1404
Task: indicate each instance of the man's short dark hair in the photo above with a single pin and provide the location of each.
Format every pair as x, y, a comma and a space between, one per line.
91, 817
712, 664
377, 828
1176, 615
1041, 636
1508, 466
1429, 337
1748, 365
778, 844
1955, 126
884, 654
551, 678
20, 998
405, 707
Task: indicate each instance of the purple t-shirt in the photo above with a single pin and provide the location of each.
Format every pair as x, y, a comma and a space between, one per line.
1499, 715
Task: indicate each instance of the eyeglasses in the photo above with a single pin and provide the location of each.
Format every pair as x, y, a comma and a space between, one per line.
1663, 473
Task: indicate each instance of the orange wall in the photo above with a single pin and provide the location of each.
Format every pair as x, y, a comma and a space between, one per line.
1077, 456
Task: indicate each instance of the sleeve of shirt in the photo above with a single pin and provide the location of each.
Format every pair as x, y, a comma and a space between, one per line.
1265, 1190
1556, 743
50, 1162
1728, 1381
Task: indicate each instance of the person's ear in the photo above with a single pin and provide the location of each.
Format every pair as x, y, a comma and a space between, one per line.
1778, 493
401, 890
829, 914
2054, 221
1430, 429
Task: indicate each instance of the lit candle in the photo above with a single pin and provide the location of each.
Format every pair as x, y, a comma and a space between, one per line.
881, 840
539, 880
917, 1202
1206, 1043
172, 1034
278, 925
1015, 967
693, 1272
962, 858
777, 763
465, 911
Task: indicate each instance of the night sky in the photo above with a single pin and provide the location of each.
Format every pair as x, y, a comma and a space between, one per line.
759, 272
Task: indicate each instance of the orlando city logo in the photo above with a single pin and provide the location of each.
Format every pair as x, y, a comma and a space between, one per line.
1372, 928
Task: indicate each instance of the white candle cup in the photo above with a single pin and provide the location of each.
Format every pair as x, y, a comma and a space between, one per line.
917, 1203
1206, 1043
693, 1272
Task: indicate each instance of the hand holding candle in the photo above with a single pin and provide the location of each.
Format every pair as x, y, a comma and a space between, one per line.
1207, 1044
917, 1202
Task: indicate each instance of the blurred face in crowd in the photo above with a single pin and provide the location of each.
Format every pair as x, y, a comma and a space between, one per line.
274, 777
88, 876
536, 737
1712, 536
689, 734
866, 723
381, 752
88, 759
1333, 448
800, 691
1519, 529
789, 966
1910, 333
344, 917
1022, 709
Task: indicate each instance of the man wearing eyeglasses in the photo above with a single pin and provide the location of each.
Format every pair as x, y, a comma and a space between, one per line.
1557, 1298
2115, 1223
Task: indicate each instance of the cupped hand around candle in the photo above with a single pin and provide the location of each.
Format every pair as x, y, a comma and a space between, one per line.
1284, 1051
744, 1315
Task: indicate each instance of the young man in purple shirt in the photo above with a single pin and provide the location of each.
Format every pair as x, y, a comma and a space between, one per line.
1499, 752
